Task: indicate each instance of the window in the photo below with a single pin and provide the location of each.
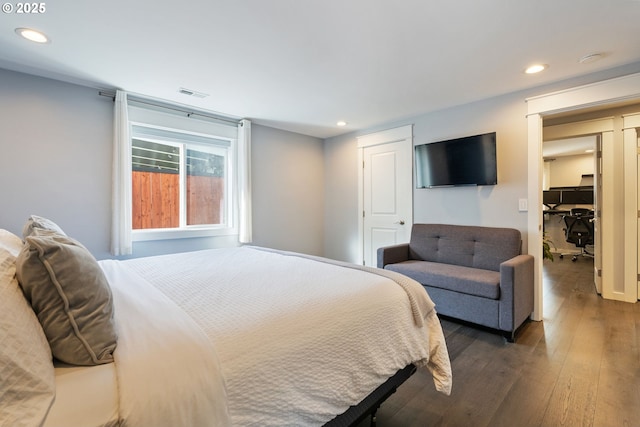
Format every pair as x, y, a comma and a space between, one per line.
180, 180
192, 173
184, 175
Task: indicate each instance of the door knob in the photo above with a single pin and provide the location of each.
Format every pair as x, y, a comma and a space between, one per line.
401, 222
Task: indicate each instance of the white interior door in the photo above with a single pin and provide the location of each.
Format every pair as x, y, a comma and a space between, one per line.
387, 194
387, 197
638, 207
597, 208
629, 292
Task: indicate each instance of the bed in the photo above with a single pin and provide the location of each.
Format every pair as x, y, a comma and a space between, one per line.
241, 336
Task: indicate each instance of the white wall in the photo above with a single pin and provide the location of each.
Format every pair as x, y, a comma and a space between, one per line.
341, 198
568, 171
56, 157
495, 206
54, 135
287, 186
55, 161
486, 206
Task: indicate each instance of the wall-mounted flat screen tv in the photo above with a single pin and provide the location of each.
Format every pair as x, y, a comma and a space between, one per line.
462, 161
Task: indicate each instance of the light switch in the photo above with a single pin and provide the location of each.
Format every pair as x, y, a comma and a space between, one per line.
523, 205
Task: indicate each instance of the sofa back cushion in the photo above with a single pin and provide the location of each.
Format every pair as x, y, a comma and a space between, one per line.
470, 246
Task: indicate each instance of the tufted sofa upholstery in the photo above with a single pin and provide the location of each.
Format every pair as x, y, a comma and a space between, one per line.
475, 274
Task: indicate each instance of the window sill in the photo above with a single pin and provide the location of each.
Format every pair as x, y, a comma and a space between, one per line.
168, 234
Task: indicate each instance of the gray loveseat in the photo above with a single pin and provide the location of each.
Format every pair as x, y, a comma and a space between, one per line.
475, 274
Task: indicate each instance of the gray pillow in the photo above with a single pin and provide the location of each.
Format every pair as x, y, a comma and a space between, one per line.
71, 297
38, 222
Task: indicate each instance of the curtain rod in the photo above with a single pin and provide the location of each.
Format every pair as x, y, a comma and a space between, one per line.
160, 104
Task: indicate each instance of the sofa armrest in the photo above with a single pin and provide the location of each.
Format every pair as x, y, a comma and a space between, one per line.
393, 254
516, 291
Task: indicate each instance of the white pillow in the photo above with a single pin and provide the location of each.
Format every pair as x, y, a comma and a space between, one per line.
27, 379
10, 242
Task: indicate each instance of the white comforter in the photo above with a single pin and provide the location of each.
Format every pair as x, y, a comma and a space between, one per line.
250, 337
168, 373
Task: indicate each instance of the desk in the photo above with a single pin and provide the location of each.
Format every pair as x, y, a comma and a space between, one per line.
556, 212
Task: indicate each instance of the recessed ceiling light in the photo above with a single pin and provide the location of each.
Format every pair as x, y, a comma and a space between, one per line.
33, 35
341, 123
536, 68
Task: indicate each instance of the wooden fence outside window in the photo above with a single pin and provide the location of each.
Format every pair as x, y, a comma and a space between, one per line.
156, 200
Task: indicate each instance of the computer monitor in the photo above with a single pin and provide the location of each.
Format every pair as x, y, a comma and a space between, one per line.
577, 197
551, 198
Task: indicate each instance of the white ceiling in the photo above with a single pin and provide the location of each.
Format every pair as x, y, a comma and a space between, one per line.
302, 65
569, 147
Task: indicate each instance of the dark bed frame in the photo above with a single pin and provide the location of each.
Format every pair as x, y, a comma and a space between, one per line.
370, 404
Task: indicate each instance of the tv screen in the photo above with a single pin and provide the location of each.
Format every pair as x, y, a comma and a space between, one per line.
463, 161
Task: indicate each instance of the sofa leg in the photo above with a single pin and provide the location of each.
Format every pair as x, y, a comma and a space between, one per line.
509, 336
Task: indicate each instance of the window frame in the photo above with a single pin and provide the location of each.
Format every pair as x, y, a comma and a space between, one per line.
230, 227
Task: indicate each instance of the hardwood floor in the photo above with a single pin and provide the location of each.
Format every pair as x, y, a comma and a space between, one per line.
580, 366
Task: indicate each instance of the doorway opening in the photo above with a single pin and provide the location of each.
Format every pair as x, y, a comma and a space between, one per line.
571, 191
584, 99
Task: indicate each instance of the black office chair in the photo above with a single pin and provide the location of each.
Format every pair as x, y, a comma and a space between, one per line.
580, 232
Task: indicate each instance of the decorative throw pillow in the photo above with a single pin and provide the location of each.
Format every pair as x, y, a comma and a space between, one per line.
27, 380
71, 297
38, 222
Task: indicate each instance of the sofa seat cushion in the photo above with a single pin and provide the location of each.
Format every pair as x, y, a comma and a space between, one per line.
467, 280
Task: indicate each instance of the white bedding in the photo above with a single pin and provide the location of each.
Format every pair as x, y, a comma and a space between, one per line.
249, 337
298, 341
89, 393
168, 373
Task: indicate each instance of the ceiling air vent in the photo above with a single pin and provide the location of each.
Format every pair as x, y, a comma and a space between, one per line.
194, 93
